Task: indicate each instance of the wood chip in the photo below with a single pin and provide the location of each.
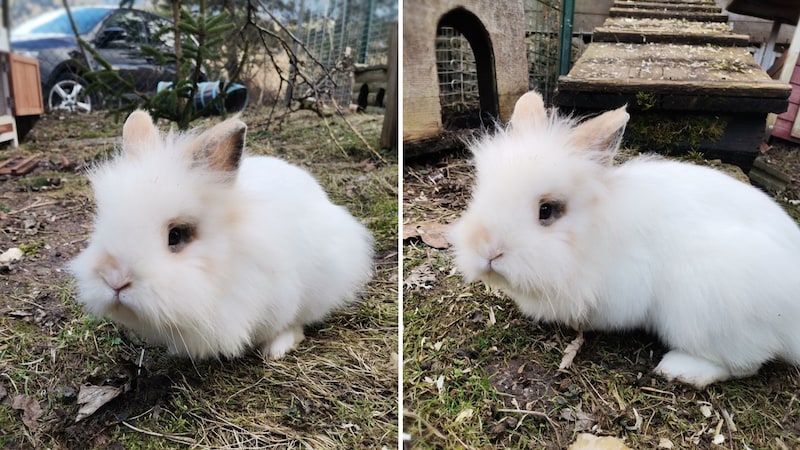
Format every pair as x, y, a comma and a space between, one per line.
18, 166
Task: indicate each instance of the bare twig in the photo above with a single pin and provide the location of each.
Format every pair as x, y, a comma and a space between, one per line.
333, 137
169, 437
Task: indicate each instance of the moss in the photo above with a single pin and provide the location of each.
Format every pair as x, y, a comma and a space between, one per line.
645, 100
666, 133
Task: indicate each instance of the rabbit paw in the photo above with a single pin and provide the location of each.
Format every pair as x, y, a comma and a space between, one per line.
690, 369
283, 343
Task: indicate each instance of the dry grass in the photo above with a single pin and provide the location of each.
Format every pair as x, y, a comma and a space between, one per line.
338, 390
477, 374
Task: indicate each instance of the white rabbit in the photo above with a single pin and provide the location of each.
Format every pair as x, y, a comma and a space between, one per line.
707, 263
209, 252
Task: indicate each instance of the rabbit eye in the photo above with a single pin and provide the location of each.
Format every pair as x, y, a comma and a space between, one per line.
179, 236
550, 211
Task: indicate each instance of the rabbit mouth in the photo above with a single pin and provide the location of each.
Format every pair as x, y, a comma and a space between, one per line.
494, 278
120, 310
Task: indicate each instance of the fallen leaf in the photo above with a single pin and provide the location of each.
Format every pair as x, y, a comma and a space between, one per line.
588, 441
31, 410
440, 384
665, 443
583, 421
421, 276
93, 397
464, 415
11, 255
432, 233
571, 351
705, 410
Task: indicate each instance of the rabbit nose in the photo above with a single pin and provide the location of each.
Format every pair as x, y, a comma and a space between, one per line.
116, 280
120, 288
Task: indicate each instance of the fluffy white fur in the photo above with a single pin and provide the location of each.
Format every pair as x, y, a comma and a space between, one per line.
707, 263
271, 253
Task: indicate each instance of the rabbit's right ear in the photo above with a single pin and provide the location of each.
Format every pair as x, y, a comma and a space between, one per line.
138, 132
602, 134
528, 112
221, 146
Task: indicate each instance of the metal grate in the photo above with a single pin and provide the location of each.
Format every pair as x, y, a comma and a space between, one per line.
542, 34
455, 61
458, 75
348, 32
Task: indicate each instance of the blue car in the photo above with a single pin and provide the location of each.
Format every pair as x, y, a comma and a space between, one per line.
116, 34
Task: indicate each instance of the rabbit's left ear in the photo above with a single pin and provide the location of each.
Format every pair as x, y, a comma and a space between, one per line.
221, 146
138, 132
602, 134
529, 113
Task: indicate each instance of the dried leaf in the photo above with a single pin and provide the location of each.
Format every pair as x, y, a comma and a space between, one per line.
93, 397
432, 233
705, 410
665, 443
440, 384
11, 255
31, 410
421, 276
464, 415
571, 351
588, 441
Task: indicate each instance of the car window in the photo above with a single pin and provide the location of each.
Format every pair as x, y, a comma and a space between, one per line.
160, 32
57, 22
124, 29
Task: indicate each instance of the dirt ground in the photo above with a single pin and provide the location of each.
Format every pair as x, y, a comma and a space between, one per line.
478, 374
338, 390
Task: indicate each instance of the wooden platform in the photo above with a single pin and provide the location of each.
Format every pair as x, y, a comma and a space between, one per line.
674, 60
676, 31
660, 13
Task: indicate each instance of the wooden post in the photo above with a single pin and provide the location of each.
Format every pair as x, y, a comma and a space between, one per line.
389, 131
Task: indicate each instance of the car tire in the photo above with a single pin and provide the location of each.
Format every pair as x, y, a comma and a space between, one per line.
69, 94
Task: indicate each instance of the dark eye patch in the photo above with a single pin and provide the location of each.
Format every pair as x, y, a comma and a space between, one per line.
180, 235
550, 211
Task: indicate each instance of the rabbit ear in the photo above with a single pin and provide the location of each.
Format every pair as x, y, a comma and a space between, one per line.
221, 146
529, 112
138, 132
601, 134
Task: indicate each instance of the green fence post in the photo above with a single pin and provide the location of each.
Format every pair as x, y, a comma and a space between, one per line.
567, 13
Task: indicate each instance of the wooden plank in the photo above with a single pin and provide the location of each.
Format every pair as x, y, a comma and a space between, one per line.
661, 14
646, 30
771, 90
602, 34
671, 69
783, 130
696, 7
26, 85
389, 131
600, 101
18, 166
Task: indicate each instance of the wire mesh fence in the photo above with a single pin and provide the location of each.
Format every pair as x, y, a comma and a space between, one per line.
347, 38
457, 72
455, 60
542, 35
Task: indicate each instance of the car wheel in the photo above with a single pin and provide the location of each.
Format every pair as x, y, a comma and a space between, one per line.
69, 93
